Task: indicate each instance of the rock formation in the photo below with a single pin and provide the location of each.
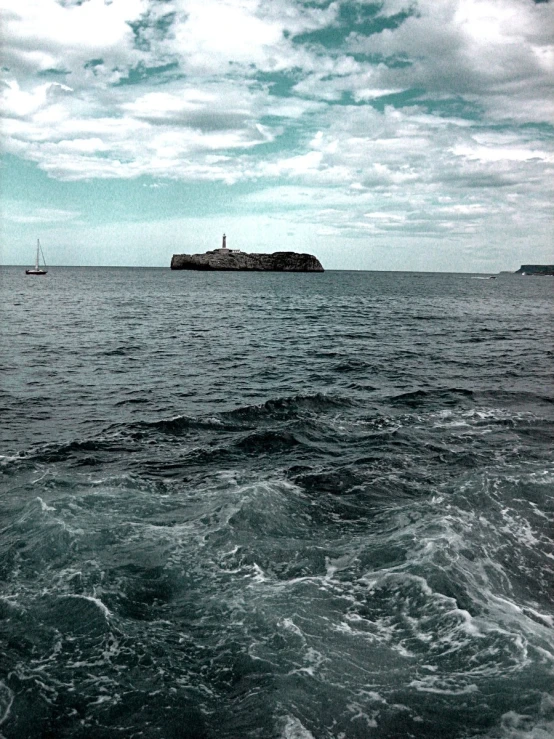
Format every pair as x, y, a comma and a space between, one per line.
228, 259
536, 269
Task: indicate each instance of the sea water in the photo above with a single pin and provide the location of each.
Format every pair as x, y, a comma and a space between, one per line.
289, 506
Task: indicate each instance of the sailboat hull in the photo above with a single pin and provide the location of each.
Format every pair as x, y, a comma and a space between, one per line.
35, 271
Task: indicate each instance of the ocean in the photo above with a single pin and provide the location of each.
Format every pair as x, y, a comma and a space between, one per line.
276, 506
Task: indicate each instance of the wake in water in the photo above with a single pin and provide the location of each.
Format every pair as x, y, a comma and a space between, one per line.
389, 576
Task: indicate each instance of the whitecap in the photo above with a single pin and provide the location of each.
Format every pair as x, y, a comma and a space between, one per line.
294, 729
288, 623
314, 660
259, 576
45, 506
5, 459
333, 566
97, 602
543, 618
359, 714
434, 684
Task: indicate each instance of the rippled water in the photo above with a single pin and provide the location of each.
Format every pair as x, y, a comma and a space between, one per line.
278, 506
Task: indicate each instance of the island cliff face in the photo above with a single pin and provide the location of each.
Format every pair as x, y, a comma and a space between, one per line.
536, 269
227, 259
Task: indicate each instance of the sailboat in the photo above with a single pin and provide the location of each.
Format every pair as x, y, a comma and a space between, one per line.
36, 270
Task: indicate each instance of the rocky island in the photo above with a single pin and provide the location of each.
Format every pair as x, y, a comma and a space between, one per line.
536, 269
225, 259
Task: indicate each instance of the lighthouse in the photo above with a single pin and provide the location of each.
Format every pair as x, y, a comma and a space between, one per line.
223, 247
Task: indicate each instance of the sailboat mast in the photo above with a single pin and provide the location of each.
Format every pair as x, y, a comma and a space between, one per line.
38, 248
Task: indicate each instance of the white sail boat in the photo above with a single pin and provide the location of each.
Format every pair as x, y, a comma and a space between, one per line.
36, 270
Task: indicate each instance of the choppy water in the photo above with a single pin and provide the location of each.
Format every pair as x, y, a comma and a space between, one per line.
276, 506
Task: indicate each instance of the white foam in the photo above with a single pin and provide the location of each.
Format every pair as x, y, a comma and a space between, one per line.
433, 684
34, 482
359, 713
104, 699
397, 578
6, 459
547, 620
314, 661
6, 700
333, 566
45, 506
288, 623
259, 576
372, 695
212, 420
294, 729
343, 628
515, 725
97, 602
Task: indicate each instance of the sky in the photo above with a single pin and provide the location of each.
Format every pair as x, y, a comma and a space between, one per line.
392, 135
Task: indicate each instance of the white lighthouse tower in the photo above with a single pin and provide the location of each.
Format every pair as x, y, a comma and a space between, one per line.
224, 248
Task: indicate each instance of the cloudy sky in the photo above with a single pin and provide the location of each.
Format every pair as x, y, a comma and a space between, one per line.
401, 134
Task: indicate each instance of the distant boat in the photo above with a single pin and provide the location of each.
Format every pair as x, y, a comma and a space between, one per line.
37, 270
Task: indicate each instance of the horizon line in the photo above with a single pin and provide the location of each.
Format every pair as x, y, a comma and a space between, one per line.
143, 266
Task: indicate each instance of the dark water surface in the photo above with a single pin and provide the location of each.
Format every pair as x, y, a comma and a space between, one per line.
276, 506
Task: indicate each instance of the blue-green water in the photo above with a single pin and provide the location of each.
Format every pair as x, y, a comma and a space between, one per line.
278, 506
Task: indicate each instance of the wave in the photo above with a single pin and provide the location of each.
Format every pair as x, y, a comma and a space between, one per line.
268, 442
443, 397
123, 350
288, 407
181, 425
248, 417
441, 426
500, 396
133, 401
79, 449
352, 365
